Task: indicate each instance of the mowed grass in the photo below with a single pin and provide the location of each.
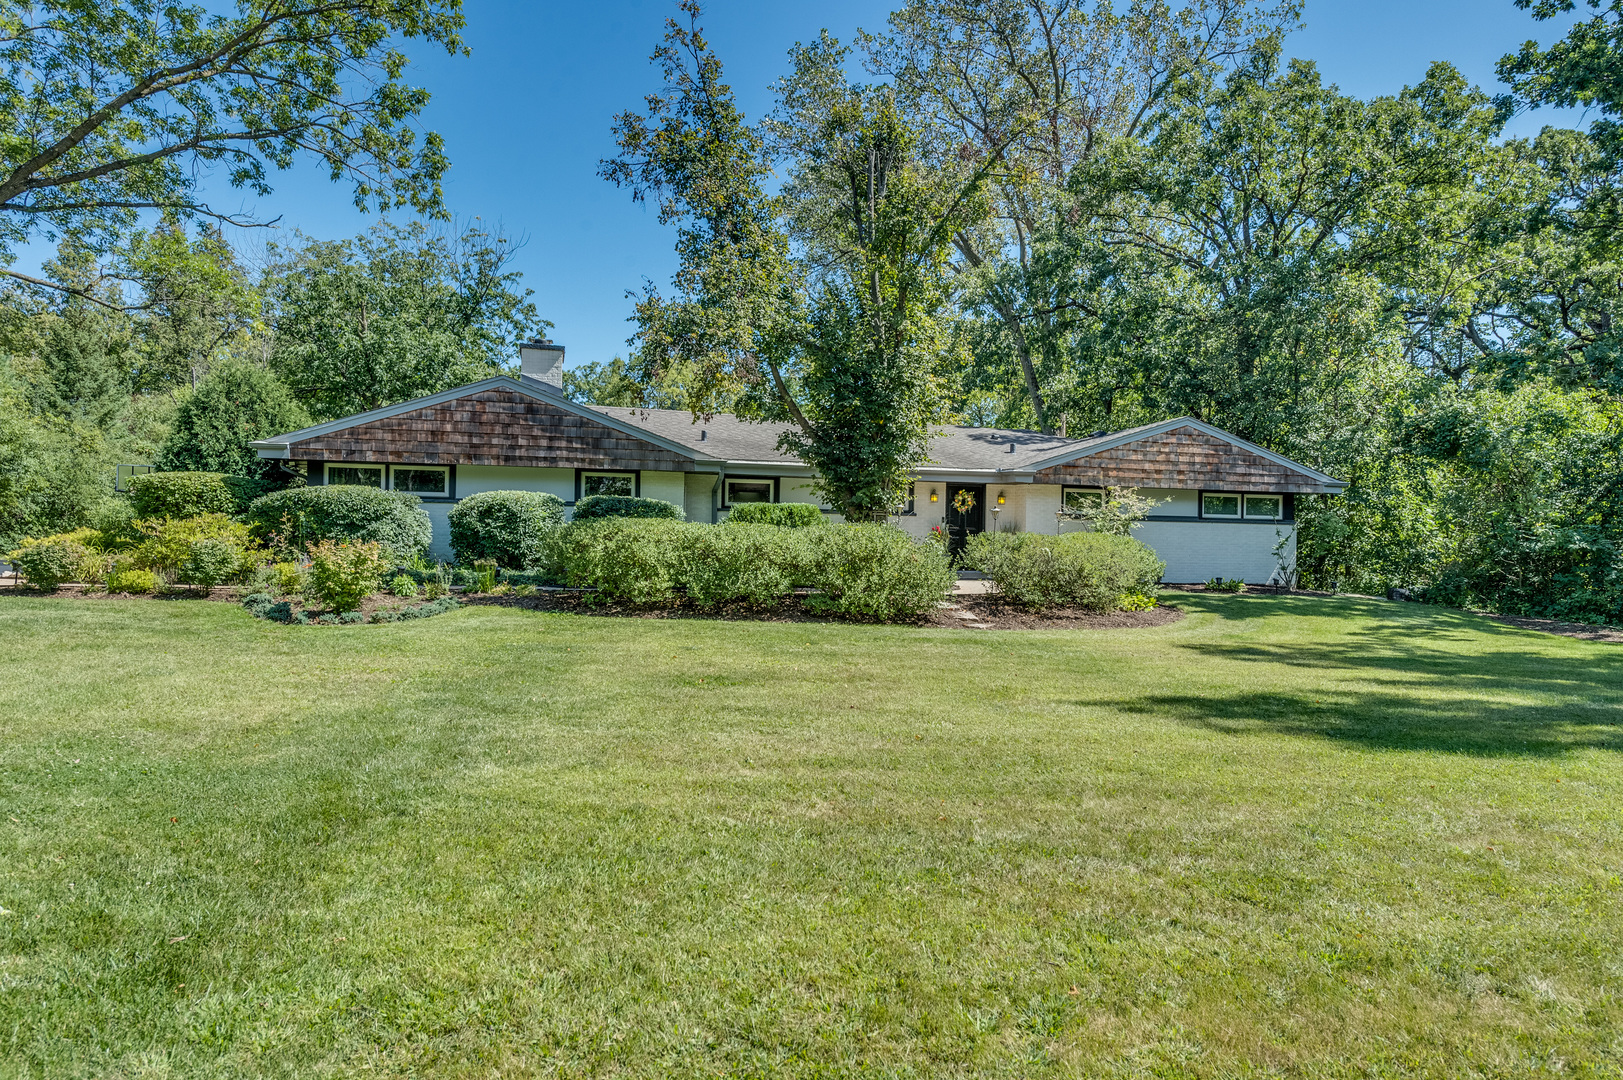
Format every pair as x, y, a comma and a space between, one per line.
1283, 837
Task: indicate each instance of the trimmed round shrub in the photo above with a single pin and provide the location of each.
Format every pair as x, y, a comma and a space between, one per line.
342, 574
1087, 570
182, 495
783, 515
624, 506
298, 517
875, 572
48, 564
136, 582
509, 528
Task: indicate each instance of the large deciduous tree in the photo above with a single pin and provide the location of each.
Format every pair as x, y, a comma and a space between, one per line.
120, 106
394, 314
823, 304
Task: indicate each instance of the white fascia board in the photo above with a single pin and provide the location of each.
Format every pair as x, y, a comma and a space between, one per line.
527, 387
1122, 438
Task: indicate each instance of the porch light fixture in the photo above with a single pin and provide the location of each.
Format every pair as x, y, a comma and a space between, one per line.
933, 496
999, 500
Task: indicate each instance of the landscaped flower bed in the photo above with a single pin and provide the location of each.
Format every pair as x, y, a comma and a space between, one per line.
374, 609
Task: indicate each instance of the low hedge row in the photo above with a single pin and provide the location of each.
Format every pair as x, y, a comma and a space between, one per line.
862, 571
1088, 570
624, 506
784, 515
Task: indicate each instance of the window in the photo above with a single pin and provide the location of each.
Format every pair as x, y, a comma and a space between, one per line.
1083, 499
1263, 506
357, 475
1220, 506
608, 483
749, 491
420, 479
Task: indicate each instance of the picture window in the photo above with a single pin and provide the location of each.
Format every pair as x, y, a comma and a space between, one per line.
1083, 499
355, 475
605, 483
419, 480
748, 491
1220, 506
1263, 506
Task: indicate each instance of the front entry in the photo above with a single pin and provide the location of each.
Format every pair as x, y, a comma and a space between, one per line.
966, 522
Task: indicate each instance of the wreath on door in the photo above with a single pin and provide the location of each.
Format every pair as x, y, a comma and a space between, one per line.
964, 501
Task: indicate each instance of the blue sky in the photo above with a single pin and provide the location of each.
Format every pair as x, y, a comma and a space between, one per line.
526, 119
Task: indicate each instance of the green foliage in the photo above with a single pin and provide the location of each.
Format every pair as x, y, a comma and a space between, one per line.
630, 559
624, 506
47, 564
1117, 511
508, 527
617, 383
756, 564
394, 314
1087, 570
297, 517
1223, 584
167, 543
135, 582
182, 494
846, 343
1136, 601
403, 585
784, 515
210, 562
234, 405
343, 573
181, 91
875, 572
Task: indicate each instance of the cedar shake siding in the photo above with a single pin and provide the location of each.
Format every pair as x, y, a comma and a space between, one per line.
1180, 458
491, 427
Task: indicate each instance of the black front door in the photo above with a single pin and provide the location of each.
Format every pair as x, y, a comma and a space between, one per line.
966, 515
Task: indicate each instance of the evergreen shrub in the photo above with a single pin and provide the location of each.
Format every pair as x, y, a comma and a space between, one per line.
783, 515
298, 517
509, 528
182, 495
624, 506
1088, 570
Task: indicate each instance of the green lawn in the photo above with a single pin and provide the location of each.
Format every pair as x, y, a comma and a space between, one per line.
1285, 836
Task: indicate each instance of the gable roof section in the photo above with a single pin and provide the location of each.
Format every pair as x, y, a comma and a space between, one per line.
499, 421
1182, 453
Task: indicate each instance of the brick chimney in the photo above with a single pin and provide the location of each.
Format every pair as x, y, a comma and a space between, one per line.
542, 361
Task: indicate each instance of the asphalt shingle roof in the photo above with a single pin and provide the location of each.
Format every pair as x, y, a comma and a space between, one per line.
971, 449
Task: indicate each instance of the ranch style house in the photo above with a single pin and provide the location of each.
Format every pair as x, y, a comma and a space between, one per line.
1226, 508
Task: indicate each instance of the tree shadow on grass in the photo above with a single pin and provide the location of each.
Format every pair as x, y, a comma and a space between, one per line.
1408, 679
1462, 724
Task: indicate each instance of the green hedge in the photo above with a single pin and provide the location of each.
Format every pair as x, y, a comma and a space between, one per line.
508, 527
298, 517
862, 571
182, 495
623, 506
1086, 570
783, 515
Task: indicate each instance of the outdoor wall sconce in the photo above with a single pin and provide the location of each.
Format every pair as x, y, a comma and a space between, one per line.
933, 496
1000, 498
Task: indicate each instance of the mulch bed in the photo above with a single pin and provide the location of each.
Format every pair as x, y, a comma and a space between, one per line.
1586, 631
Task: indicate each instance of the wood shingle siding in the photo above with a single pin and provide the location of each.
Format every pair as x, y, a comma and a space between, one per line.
1180, 458
492, 427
